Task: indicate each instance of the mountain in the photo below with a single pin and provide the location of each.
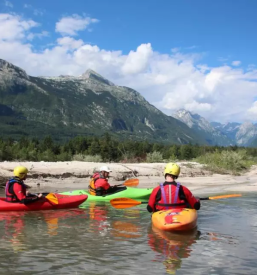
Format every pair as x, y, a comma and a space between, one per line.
215, 133
242, 134
89, 104
246, 134
229, 129
201, 126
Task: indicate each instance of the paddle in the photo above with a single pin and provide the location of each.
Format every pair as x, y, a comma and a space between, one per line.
51, 197
121, 203
221, 197
130, 183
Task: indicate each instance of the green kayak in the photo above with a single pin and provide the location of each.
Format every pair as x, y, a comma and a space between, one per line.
130, 192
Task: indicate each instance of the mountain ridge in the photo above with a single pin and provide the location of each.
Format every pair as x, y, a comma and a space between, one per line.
87, 104
216, 133
203, 128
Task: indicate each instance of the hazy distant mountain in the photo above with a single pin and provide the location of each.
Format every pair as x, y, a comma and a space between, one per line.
229, 129
243, 134
204, 128
246, 134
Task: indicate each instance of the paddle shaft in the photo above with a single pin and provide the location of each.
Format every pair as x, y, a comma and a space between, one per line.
127, 203
204, 199
130, 183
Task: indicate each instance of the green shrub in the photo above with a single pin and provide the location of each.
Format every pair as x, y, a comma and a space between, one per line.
87, 158
227, 161
154, 157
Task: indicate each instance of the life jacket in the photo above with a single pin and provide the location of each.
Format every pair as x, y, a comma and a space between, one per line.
9, 193
100, 191
170, 197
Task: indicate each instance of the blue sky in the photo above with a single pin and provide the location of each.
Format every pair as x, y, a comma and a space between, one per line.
224, 30
210, 45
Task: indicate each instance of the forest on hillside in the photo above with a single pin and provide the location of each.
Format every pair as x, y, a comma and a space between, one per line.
108, 149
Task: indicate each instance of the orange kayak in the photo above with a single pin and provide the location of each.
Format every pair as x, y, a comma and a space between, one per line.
176, 219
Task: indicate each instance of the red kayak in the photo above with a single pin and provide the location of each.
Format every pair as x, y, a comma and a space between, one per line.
64, 201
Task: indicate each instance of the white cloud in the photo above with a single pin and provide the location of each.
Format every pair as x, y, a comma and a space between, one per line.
40, 35
236, 63
13, 27
168, 81
137, 61
70, 42
8, 4
71, 25
253, 109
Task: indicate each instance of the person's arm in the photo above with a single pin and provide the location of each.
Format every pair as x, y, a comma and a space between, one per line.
194, 203
102, 183
18, 190
152, 200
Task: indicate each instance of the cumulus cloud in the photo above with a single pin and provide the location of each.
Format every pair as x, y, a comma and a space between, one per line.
70, 42
71, 25
253, 109
236, 63
137, 61
40, 35
169, 81
13, 27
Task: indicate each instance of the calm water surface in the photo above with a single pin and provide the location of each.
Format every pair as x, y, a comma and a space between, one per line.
99, 239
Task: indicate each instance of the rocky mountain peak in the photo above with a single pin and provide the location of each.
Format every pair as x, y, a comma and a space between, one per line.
202, 126
192, 119
91, 74
246, 133
8, 69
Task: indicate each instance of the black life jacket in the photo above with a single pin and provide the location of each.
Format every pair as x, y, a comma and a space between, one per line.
9, 193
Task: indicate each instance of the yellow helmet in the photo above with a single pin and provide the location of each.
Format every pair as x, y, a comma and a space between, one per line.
20, 172
172, 169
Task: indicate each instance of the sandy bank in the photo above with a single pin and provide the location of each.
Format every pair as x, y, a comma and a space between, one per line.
75, 175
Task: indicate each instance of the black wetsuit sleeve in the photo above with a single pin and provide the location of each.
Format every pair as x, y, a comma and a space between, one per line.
197, 205
149, 208
29, 200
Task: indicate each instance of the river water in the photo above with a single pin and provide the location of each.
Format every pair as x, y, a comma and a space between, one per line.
98, 239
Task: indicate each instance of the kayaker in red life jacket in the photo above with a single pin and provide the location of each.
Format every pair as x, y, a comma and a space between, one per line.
99, 184
15, 189
171, 194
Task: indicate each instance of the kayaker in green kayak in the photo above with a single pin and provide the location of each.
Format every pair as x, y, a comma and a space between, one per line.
99, 185
171, 194
16, 190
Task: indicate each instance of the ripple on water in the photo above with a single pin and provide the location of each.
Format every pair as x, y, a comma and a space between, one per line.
99, 239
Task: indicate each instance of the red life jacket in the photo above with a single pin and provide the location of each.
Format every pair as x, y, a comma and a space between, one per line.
9, 193
170, 197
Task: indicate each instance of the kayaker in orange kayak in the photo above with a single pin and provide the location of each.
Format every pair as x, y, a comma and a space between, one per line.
99, 184
171, 194
16, 190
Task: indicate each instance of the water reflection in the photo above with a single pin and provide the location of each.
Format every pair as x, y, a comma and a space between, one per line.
120, 228
171, 247
13, 230
53, 218
17, 224
100, 239
125, 230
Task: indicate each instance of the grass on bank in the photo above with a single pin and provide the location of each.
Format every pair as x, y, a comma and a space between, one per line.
227, 161
221, 162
